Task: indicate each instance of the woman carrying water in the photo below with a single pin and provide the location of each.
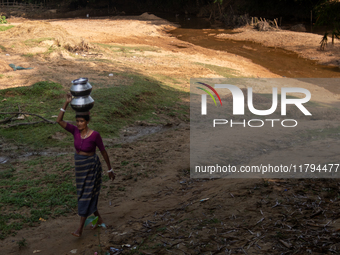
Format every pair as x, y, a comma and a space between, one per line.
88, 168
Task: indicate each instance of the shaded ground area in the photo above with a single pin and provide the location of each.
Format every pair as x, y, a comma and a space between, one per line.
156, 208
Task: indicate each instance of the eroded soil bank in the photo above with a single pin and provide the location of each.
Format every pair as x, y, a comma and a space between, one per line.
286, 53
306, 45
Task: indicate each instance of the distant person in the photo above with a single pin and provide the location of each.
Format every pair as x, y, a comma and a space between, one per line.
88, 169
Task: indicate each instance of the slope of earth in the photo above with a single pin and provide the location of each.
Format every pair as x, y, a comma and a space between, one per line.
306, 45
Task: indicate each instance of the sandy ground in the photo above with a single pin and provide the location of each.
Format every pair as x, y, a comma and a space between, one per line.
162, 212
169, 58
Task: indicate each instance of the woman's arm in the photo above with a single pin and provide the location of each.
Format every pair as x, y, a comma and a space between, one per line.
60, 121
112, 175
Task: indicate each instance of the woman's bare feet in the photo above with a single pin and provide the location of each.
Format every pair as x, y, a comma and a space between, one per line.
77, 233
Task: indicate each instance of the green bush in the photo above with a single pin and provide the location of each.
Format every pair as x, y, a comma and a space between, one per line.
3, 20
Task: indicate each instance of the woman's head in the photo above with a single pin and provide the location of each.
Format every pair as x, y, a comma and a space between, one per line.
85, 117
82, 121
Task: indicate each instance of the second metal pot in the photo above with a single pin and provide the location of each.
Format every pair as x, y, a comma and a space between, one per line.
82, 104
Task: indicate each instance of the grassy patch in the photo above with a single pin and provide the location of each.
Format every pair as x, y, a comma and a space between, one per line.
44, 90
35, 41
22, 243
2, 48
118, 106
28, 55
124, 163
50, 50
161, 229
220, 70
175, 82
43, 98
26, 199
114, 108
4, 28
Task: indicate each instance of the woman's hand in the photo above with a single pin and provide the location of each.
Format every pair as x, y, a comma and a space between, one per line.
68, 97
112, 176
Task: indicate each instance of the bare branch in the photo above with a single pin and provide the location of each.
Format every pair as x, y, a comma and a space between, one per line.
28, 113
27, 123
8, 119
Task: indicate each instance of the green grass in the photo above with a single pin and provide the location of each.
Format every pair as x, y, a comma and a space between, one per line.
22, 243
114, 108
2, 47
28, 55
105, 178
220, 70
118, 106
49, 50
26, 197
161, 229
124, 163
176, 82
4, 28
42, 98
35, 41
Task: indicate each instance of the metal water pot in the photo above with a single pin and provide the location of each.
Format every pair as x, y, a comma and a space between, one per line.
81, 90
81, 87
82, 104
